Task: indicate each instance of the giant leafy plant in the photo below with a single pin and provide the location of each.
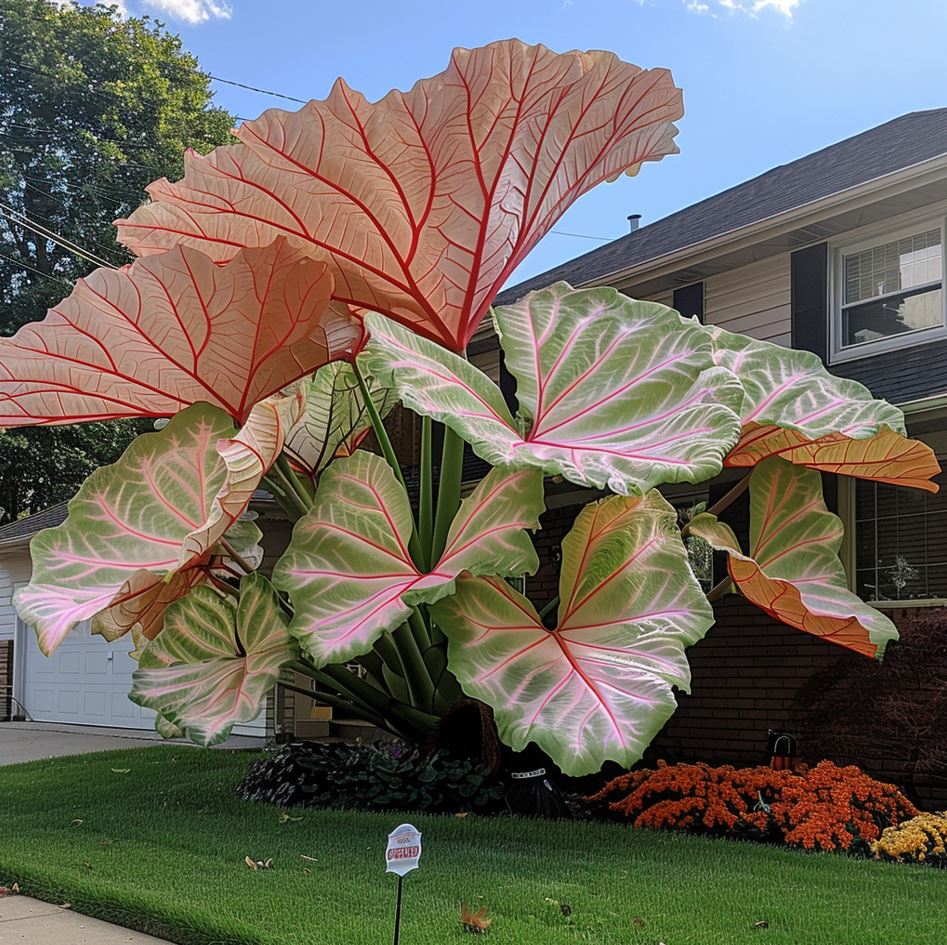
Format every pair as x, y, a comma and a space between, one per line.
290, 289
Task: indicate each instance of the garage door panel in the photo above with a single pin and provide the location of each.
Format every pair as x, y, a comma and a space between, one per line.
87, 681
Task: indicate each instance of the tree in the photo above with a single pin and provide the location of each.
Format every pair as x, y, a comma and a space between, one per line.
293, 285
92, 108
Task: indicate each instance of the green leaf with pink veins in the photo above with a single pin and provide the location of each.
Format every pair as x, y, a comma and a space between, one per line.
613, 393
336, 418
599, 686
120, 548
348, 570
214, 663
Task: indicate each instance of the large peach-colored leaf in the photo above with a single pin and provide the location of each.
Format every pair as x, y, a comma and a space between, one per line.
335, 420
794, 408
888, 456
599, 686
120, 547
427, 200
613, 393
348, 570
793, 571
215, 663
172, 330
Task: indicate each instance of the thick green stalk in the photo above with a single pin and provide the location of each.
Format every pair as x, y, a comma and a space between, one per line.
410, 638
287, 497
426, 500
388, 451
549, 607
448, 490
304, 492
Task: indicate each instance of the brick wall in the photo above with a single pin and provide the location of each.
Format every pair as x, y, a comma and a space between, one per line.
6, 680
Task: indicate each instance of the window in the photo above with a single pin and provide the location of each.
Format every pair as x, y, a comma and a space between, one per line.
890, 290
900, 542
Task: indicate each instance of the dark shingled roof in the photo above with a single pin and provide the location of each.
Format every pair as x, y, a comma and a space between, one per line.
24, 527
893, 146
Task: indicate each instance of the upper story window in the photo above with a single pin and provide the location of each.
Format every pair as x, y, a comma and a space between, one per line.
889, 291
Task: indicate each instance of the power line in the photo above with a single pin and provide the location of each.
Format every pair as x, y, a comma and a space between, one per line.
583, 236
61, 241
39, 272
253, 88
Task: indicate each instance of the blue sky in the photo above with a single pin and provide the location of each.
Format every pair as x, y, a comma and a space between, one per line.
765, 81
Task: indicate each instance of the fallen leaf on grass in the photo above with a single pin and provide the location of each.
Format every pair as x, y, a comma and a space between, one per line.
565, 909
77, 822
638, 922
120, 770
286, 819
65, 905
258, 864
310, 859
474, 922
762, 924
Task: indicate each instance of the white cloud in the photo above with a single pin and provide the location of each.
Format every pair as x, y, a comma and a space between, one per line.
192, 11
749, 7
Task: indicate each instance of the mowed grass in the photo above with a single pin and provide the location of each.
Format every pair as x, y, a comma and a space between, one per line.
160, 847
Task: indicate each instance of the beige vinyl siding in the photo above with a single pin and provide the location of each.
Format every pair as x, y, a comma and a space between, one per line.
665, 298
14, 571
754, 300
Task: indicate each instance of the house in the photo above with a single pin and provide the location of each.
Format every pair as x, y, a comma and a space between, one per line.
840, 253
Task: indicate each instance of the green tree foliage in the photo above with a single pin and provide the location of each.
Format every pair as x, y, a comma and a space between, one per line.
92, 108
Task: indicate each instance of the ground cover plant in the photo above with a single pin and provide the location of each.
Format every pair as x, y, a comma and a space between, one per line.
170, 859
825, 808
293, 286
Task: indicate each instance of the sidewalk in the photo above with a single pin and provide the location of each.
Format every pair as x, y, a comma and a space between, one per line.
25, 921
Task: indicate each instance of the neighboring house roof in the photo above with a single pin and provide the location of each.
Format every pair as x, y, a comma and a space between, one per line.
898, 144
25, 527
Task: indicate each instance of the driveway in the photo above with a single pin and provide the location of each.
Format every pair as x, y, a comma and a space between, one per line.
35, 741
25, 921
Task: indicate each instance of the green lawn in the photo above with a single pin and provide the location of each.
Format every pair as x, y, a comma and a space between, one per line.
161, 847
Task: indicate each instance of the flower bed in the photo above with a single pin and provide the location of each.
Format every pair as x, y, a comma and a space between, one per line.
923, 839
823, 808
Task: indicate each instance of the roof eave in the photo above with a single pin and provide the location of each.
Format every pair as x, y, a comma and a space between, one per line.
903, 179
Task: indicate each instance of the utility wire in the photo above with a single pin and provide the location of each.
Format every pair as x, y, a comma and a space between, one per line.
39, 272
11, 215
253, 88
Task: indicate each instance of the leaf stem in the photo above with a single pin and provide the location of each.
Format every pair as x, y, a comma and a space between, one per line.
448, 490
426, 498
549, 606
236, 556
724, 502
388, 451
719, 589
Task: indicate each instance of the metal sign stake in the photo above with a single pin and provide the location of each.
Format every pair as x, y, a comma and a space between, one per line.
401, 857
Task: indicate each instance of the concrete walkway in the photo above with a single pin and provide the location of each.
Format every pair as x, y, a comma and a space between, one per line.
36, 741
25, 921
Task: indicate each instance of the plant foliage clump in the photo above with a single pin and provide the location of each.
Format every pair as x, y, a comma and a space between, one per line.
383, 776
922, 839
822, 808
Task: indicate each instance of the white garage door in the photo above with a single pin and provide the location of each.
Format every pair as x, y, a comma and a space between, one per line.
87, 681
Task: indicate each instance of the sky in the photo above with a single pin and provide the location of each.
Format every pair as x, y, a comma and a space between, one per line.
765, 81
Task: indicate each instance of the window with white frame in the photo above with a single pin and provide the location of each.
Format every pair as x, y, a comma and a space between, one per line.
900, 541
890, 290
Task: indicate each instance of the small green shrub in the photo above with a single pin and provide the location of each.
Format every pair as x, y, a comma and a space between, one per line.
383, 776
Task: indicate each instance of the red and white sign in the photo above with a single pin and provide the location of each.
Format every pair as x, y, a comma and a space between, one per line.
404, 850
